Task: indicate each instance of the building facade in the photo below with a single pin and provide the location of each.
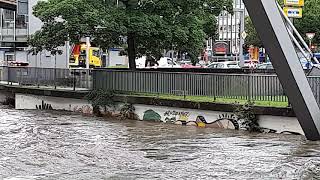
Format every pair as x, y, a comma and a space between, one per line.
16, 26
230, 28
13, 31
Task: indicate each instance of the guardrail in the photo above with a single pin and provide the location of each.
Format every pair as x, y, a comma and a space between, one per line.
73, 79
256, 87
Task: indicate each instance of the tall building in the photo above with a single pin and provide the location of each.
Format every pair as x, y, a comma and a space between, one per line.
230, 27
13, 30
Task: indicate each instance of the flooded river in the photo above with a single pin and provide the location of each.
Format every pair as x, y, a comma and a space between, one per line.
55, 145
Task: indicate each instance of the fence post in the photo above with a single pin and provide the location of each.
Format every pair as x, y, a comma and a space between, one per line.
8, 69
37, 74
249, 87
55, 73
19, 81
74, 79
93, 77
157, 80
15, 75
214, 87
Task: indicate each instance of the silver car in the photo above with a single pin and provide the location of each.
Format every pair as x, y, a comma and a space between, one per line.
224, 65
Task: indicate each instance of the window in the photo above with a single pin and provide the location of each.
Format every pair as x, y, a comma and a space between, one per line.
8, 15
220, 65
7, 19
21, 22
22, 7
9, 57
233, 66
83, 53
96, 53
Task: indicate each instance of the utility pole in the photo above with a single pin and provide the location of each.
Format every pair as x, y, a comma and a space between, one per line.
67, 53
242, 21
87, 52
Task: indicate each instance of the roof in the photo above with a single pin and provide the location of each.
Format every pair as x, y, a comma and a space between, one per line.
8, 4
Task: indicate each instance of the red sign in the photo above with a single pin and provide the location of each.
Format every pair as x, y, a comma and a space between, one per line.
220, 48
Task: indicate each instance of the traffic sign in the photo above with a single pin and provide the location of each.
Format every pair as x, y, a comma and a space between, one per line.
244, 35
293, 12
298, 3
310, 36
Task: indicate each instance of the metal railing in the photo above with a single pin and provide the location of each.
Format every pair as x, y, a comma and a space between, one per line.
254, 87
73, 79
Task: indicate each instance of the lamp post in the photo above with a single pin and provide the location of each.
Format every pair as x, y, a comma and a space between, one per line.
87, 52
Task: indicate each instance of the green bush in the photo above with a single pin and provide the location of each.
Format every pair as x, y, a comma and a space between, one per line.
249, 120
101, 99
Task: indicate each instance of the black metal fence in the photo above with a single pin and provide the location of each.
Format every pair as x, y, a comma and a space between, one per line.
75, 79
257, 87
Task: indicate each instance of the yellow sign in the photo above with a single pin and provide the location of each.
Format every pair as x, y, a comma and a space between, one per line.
293, 12
299, 3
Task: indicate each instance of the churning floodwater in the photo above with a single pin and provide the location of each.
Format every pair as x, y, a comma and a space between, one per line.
60, 145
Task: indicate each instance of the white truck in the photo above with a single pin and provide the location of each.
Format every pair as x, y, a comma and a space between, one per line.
164, 62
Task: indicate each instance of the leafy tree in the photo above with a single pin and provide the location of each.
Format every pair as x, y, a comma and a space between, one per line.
147, 26
310, 20
308, 23
252, 37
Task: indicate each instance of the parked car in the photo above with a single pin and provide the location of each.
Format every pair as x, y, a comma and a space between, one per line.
317, 55
306, 62
166, 62
224, 65
267, 65
251, 63
189, 66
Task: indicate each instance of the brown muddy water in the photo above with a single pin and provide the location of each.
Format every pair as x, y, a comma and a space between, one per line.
59, 145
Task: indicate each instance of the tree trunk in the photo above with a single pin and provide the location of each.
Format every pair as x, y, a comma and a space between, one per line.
132, 51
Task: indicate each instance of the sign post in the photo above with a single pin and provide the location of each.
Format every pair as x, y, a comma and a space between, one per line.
293, 8
293, 12
244, 35
296, 3
310, 36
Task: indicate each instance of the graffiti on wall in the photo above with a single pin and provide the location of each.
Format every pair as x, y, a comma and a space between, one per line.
174, 116
44, 106
184, 118
225, 121
151, 115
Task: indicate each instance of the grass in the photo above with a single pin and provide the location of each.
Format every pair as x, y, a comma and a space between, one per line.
213, 100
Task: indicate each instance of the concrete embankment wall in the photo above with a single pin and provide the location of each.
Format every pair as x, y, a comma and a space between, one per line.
164, 112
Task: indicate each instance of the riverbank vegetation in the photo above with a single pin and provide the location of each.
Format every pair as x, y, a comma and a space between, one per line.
249, 120
9, 101
104, 104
